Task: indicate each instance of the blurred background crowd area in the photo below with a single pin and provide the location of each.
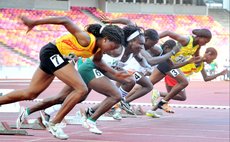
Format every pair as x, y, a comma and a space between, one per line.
19, 51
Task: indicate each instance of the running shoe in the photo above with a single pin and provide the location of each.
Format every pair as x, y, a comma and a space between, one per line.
154, 97
117, 114
126, 106
152, 113
45, 118
88, 112
92, 126
21, 118
165, 107
56, 130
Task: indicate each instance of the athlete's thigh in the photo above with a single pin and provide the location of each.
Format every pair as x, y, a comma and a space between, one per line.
178, 75
156, 76
66, 90
70, 76
143, 80
104, 86
40, 81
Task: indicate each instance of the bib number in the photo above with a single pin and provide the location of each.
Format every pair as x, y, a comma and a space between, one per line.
180, 59
137, 76
56, 60
97, 73
174, 72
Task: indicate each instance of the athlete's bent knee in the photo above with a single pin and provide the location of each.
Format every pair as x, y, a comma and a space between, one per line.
117, 97
184, 83
184, 98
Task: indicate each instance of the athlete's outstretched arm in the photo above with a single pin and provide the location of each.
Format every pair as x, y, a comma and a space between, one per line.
181, 39
81, 36
211, 77
124, 21
142, 61
194, 59
156, 60
97, 59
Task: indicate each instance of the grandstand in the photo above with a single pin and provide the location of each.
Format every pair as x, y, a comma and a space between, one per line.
21, 49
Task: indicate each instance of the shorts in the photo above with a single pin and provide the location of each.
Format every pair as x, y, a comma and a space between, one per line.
164, 67
170, 81
88, 71
51, 59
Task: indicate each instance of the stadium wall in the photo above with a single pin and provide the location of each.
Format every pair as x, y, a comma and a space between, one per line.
16, 72
144, 8
35, 4
226, 5
107, 6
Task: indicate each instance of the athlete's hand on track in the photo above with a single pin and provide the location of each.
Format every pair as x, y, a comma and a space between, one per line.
27, 22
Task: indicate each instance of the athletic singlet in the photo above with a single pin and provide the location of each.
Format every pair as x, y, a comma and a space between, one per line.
189, 69
185, 52
68, 44
115, 61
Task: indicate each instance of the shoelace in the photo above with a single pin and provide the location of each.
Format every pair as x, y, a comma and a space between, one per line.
127, 105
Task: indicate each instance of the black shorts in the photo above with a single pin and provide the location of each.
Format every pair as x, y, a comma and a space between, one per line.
51, 59
164, 67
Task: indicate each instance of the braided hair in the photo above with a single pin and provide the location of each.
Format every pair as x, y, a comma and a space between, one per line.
112, 32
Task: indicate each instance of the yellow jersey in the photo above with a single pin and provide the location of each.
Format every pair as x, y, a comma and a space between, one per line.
68, 44
189, 69
185, 52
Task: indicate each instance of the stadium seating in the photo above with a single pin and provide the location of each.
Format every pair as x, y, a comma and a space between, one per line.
9, 58
13, 33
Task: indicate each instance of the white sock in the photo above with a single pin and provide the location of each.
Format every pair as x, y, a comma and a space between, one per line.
52, 109
123, 92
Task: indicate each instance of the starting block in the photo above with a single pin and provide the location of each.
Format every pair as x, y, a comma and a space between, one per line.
6, 130
35, 124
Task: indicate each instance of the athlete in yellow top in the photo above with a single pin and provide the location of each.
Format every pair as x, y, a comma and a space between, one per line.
190, 47
189, 69
68, 44
53, 63
185, 52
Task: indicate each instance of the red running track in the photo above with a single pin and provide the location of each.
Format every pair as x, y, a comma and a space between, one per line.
186, 125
